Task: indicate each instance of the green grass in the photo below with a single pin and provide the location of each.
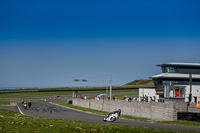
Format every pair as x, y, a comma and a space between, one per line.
130, 93
39, 94
137, 84
5, 99
121, 96
17, 97
15, 122
4, 102
33, 94
144, 82
181, 122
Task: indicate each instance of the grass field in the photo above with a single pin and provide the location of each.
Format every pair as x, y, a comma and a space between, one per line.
5, 99
3, 102
33, 94
17, 123
119, 93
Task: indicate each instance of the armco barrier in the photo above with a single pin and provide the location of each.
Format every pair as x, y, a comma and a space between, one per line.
155, 110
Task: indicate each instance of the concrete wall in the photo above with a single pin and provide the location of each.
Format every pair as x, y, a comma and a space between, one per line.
155, 110
195, 110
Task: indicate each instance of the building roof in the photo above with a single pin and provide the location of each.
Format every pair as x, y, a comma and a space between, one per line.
176, 76
180, 64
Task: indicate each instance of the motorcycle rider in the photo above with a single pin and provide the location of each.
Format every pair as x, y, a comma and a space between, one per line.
113, 116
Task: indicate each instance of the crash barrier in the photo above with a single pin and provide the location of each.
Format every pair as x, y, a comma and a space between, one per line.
155, 110
190, 116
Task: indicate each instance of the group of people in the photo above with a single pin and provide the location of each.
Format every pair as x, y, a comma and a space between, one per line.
129, 99
115, 98
146, 99
142, 99
25, 105
83, 97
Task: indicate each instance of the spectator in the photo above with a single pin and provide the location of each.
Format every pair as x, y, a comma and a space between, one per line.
97, 98
143, 98
113, 98
116, 98
198, 104
108, 98
129, 99
85, 97
125, 97
134, 99
146, 98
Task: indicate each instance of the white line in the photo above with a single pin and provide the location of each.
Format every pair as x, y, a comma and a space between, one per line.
19, 109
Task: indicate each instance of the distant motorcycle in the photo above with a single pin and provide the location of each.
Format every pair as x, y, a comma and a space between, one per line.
113, 116
25, 105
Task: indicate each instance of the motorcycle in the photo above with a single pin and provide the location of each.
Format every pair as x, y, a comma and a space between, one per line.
25, 105
113, 116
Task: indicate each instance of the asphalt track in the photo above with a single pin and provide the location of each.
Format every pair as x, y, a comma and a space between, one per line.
49, 110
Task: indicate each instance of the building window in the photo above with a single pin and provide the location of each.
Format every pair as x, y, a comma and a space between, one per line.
172, 83
174, 92
169, 69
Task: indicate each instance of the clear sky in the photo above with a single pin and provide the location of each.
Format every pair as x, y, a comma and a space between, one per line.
50, 43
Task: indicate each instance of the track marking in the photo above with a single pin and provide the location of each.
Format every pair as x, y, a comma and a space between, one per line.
19, 109
76, 109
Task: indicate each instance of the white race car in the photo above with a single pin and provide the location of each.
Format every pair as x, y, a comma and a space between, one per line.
113, 116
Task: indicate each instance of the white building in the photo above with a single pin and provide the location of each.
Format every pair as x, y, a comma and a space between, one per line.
175, 84
150, 92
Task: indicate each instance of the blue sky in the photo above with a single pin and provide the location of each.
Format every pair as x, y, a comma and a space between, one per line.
49, 43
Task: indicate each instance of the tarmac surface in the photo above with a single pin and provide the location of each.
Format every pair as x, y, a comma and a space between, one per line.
48, 110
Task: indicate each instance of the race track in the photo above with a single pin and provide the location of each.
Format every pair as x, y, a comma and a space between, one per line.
49, 110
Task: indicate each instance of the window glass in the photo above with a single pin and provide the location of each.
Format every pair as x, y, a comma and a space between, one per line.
170, 69
175, 91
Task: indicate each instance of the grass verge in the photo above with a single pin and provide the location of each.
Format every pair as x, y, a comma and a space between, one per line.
2, 102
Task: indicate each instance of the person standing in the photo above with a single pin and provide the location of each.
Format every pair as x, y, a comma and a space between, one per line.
113, 98
198, 104
129, 99
146, 98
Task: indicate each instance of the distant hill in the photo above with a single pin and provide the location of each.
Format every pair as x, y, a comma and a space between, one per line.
142, 82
